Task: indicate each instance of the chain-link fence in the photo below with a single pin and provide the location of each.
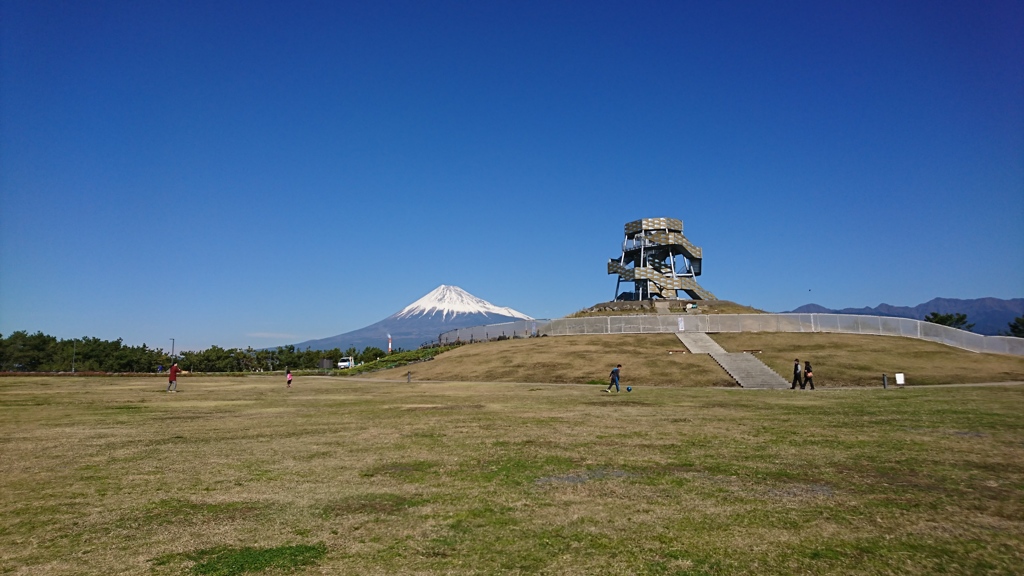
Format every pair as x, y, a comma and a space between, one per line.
503, 331
842, 323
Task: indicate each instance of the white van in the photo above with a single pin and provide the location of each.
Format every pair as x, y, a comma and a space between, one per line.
347, 362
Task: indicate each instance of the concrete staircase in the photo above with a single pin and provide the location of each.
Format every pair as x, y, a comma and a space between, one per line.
744, 368
699, 343
748, 371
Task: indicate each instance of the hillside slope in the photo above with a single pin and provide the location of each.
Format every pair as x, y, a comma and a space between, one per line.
838, 359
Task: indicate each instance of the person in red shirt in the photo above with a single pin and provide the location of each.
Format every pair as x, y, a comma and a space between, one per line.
172, 378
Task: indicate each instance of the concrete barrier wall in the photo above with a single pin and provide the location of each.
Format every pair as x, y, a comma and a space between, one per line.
839, 323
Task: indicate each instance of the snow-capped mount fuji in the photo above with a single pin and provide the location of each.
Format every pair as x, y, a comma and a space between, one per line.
443, 309
452, 300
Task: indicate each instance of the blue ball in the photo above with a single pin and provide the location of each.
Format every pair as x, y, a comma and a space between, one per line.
629, 388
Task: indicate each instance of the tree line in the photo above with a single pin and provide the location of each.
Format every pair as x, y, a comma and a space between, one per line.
24, 352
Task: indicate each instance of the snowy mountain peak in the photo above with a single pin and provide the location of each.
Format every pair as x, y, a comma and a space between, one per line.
451, 301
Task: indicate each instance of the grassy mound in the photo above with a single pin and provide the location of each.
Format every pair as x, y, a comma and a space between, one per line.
660, 360
618, 308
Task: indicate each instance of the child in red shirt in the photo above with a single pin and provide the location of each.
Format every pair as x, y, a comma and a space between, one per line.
172, 378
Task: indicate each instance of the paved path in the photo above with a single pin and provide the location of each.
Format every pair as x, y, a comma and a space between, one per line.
744, 368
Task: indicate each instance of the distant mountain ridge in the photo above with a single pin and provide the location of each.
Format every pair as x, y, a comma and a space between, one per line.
444, 308
990, 316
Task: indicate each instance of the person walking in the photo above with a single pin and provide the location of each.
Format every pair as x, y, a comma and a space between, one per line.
172, 378
613, 379
288, 374
796, 375
808, 376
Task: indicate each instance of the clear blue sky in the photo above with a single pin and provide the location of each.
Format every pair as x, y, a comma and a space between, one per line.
260, 173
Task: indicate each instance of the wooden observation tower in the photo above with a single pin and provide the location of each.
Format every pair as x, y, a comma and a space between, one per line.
659, 261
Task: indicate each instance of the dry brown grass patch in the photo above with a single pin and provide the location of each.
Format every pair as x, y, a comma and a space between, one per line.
562, 480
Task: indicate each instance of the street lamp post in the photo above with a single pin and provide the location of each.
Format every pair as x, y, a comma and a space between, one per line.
74, 348
172, 350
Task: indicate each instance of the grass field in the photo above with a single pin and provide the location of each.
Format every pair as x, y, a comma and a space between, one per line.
347, 476
839, 360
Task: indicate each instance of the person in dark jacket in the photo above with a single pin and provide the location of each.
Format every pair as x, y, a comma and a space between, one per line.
808, 376
796, 375
613, 379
